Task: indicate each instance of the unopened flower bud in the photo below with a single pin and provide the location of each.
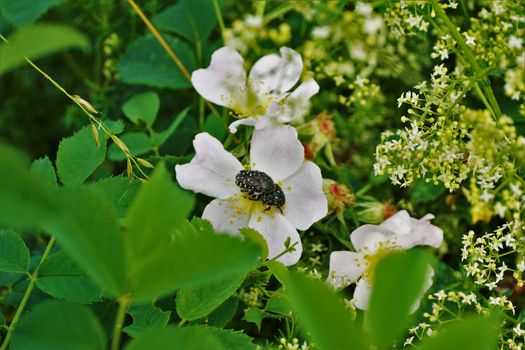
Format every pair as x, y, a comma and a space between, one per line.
338, 195
375, 212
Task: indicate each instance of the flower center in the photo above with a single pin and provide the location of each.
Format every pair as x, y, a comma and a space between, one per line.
258, 186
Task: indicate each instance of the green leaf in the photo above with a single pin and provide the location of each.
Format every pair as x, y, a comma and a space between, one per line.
60, 277
224, 313
231, 340
323, 314
158, 208
86, 228
120, 191
25, 199
146, 317
43, 168
78, 156
474, 333
114, 126
423, 191
167, 254
254, 236
138, 143
192, 19
187, 338
279, 271
278, 304
215, 127
57, 325
398, 283
14, 255
146, 62
144, 106
195, 303
24, 12
158, 139
38, 41
254, 315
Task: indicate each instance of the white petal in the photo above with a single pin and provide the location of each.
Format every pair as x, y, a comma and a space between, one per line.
362, 294
224, 81
366, 238
212, 171
423, 233
305, 201
257, 122
275, 230
345, 267
224, 216
296, 105
400, 223
276, 151
276, 74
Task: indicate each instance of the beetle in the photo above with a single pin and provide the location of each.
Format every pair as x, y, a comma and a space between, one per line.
258, 186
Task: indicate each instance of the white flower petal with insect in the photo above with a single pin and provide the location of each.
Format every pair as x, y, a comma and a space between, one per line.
265, 98
373, 242
292, 199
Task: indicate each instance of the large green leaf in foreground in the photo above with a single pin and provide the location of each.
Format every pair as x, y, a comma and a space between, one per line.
323, 314
57, 325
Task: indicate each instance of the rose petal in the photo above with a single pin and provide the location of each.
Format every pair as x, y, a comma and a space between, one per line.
305, 200
276, 151
224, 81
423, 233
224, 216
345, 268
212, 171
362, 294
276, 230
274, 74
367, 238
400, 223
294, 107
257, 122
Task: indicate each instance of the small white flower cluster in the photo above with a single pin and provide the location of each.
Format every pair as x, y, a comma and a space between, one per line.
483, 257
293, 345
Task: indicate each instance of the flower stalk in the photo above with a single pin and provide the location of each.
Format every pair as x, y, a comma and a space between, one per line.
32, 281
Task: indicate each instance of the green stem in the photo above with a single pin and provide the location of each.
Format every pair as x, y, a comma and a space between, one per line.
470, 58
219, 18
32, 280
123, 304
278, 12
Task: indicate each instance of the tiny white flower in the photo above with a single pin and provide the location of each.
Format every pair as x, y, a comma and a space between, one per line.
519, 332
469, 40
275, 155
264, 98
515, 42
320, 32
253, 21
373, 242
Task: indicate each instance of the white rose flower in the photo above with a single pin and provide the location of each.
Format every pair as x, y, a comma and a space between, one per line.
373, 242
276, 194
265, 98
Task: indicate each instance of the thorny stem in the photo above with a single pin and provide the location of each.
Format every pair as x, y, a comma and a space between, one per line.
123, 303
93, 119
485, 84
165, 46
32, 280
